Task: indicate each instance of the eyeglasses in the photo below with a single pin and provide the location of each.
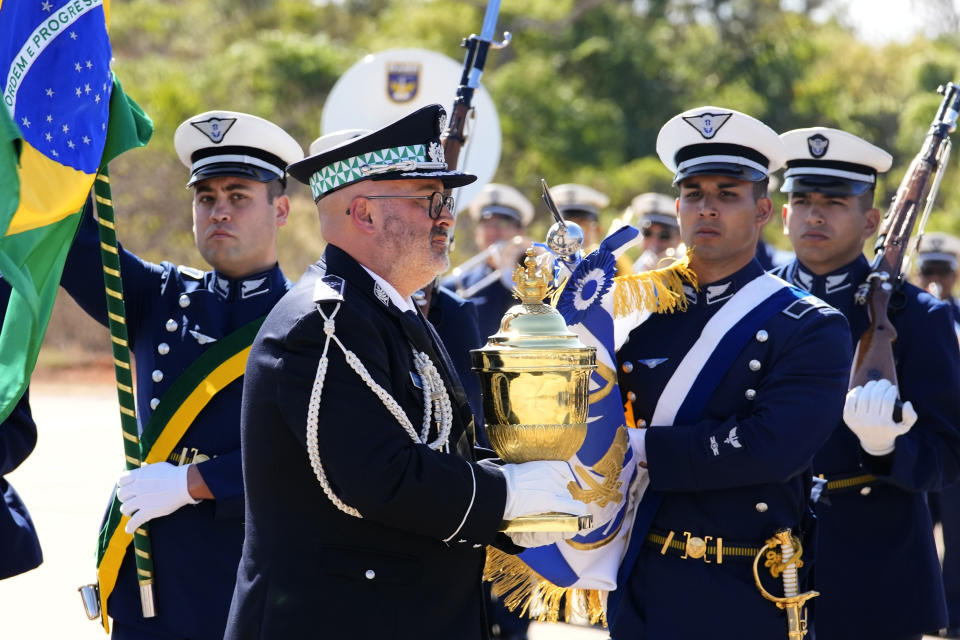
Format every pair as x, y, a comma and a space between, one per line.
663, 235
436, 199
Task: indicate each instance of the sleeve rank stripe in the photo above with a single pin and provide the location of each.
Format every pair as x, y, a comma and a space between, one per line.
108, 248
130, 436
119, 341
107, 223
124, 388
142, 554
111, 272
121, 364
104, 201
117, 318
113, 293
103, 178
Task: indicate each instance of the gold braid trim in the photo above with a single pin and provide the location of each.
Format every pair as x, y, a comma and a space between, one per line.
656, 291
524, 590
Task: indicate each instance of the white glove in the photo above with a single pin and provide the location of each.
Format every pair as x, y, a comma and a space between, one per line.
152, 491
539, 487
638, 442
868, 412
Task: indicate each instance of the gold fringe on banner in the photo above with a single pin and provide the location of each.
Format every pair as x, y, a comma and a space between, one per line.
529, 594
656, 291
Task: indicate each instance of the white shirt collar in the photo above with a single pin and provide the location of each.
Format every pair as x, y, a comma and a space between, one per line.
404, 304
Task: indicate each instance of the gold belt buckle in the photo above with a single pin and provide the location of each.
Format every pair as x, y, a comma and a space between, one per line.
694, 548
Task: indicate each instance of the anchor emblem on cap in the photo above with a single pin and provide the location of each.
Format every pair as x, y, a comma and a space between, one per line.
214, 128
708, 123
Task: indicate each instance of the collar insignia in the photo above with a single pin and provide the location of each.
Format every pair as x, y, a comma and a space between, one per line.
251, 288
803, 279
382, 295
690, 293
836, 282
221, 286
650, 363
214, 128
708, 123
818, 144
715, 293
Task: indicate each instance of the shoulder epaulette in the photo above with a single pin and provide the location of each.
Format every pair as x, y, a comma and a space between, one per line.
190, 272
328, 289
805, 305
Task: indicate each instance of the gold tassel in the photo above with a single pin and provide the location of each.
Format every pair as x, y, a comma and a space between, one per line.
656, 291
529, 594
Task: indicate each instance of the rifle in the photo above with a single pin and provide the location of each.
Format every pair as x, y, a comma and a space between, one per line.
873, 359
473, 63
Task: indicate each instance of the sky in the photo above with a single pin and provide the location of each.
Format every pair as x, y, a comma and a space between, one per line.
885, 20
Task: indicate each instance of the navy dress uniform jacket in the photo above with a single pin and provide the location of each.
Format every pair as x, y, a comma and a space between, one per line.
741, 472
945, 507
173, 315
492, 301
877, 567
310, 570
19, 545
455, 321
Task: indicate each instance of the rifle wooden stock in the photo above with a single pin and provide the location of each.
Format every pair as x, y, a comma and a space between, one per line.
453, 138
873, 359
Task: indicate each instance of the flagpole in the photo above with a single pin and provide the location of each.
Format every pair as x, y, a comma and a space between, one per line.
121, 366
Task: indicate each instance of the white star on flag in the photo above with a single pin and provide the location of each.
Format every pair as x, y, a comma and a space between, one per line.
73, 35
89, 65
77, 67
55, 154
66, 129
26, 122
86, 140
49, 137
97, 98
79, 92
70, 144
49, 117
86, 89
50, 92
46, 6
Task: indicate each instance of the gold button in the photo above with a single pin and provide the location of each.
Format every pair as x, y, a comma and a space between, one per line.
696, 547
627, 367
631, 396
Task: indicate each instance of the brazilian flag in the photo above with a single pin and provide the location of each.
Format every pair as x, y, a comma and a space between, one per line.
65, 116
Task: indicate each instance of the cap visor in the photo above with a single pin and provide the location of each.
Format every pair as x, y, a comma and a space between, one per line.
226, 169
738, 171
827, 185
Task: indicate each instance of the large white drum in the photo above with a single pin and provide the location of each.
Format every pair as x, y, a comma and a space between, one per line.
384, 87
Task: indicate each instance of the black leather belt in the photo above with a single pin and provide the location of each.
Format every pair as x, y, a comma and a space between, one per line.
712, 549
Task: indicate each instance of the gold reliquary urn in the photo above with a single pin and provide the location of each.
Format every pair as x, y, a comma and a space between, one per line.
534, 376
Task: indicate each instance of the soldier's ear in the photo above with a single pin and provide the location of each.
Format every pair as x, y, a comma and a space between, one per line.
360, 213
764, 210
871, 220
